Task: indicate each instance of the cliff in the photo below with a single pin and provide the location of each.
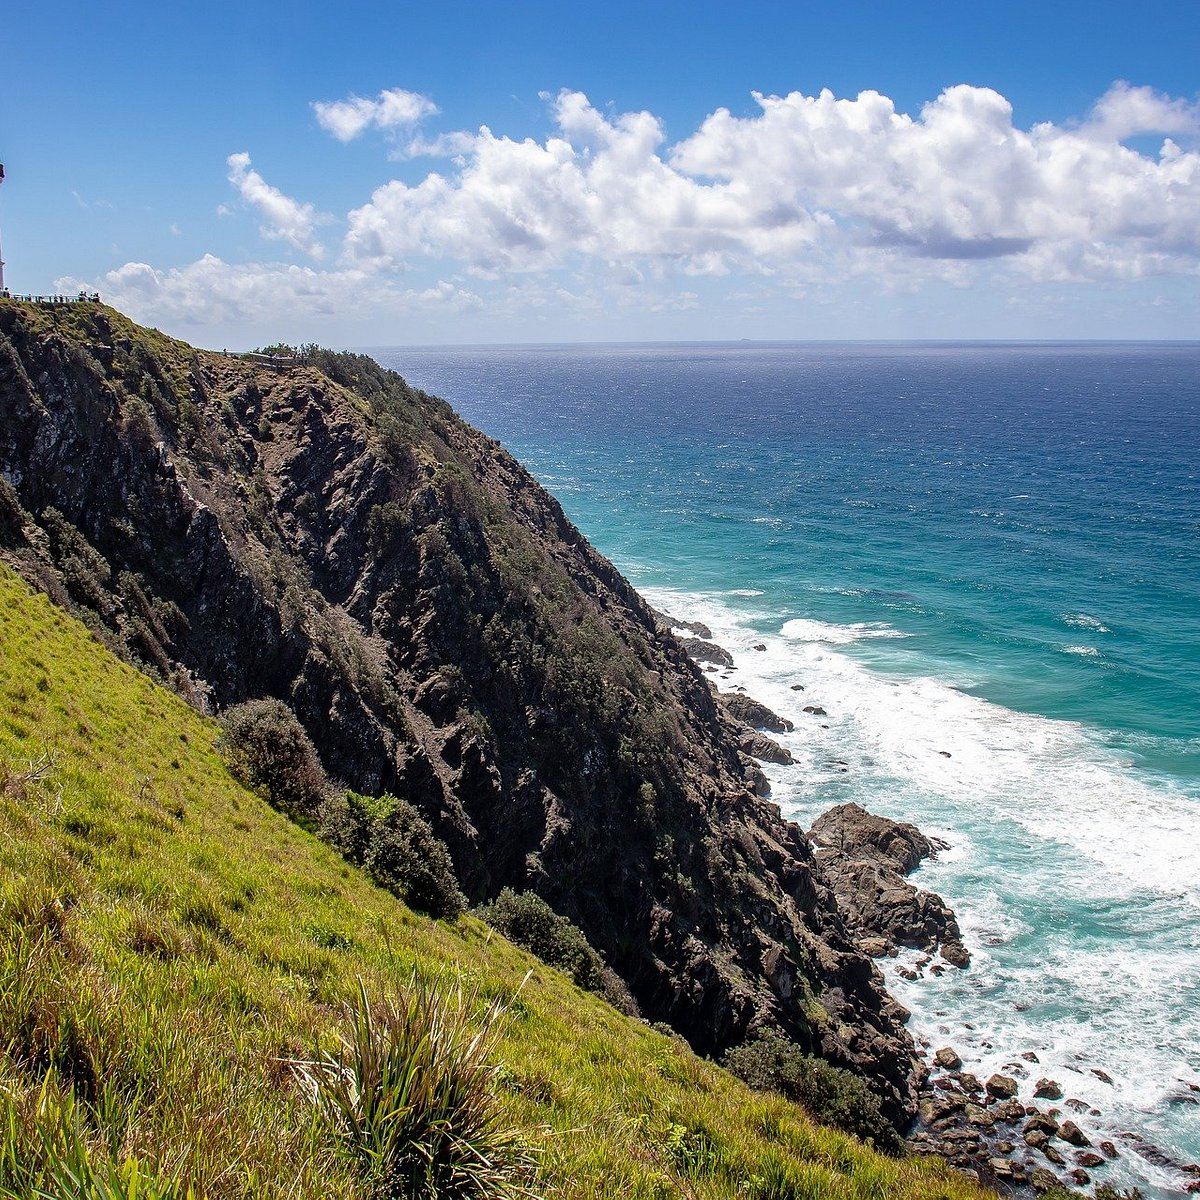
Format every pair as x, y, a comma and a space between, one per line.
326, 535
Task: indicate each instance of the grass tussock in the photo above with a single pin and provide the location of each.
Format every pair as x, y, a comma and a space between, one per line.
170, 943
410, 1091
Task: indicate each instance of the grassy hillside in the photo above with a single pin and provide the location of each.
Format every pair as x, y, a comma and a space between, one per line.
167, 941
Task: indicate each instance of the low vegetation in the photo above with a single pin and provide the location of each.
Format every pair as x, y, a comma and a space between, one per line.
526, 919
833, 1096
189, 979
409, 1092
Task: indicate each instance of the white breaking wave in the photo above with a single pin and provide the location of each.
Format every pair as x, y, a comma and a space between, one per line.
1075, 876
1083, 621
801, 629
1082, 651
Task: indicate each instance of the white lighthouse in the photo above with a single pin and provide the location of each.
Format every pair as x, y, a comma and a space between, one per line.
1, 247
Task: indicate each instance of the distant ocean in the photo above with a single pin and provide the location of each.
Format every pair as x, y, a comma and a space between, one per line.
991, 551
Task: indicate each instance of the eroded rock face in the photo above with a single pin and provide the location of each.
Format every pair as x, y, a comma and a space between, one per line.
753, 713
706, 652
864, 858
330, 537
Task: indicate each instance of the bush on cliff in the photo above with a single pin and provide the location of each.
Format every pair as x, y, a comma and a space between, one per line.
833, 1096
398, 849
525, 918
267, 750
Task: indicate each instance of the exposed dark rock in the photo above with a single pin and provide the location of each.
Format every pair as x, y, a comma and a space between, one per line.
1047, 1089
750, 712
1088, 1158
816, 710
956, 954
668, 622
1043, 1123
332, 538
1043, 1179
979, 1116
864, 859
758, 745
1070, 1132
756, 781
948, 1058
1002, 1087
705, 651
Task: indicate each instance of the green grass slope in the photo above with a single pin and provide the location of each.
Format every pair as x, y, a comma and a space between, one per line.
168, 942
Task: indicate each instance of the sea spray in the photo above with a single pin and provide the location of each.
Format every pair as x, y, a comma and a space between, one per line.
1081, 922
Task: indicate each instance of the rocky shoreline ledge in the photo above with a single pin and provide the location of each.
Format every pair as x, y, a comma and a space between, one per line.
983, 1128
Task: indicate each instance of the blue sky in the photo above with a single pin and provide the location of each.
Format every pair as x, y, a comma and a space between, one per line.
542, 172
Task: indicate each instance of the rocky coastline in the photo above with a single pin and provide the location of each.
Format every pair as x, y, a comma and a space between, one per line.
981, 1127
334, 539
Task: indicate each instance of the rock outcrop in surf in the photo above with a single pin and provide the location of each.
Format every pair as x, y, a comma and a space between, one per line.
864, 858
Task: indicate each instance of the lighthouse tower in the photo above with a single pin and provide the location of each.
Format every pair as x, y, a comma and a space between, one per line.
1, 247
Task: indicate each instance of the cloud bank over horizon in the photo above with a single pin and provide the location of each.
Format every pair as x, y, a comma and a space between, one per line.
806, 192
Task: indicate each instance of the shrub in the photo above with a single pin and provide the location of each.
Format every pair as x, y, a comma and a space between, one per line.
397, 847
267, 749
833, 1096
525, 918
410, 1094
405, 856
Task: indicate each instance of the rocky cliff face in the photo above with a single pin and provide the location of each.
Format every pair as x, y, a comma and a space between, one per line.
326, 535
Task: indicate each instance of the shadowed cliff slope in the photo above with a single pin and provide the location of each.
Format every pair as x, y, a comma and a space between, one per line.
327, 535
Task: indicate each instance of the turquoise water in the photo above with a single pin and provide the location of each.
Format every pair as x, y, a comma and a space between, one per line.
983, 562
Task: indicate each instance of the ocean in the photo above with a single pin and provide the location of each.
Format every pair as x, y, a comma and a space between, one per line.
983, 562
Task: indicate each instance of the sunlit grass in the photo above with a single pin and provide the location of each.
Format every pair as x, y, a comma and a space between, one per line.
169, 944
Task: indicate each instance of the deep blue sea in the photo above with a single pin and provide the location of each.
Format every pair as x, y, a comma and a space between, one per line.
983, 561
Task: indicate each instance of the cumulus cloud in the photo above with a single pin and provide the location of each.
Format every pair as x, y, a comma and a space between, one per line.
285, 219
394, 108
1125, 111
808, 181
212, 292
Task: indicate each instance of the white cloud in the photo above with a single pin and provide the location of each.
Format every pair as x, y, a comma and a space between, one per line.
391, 109
1125, 111
211, 292
286, 219
808, 185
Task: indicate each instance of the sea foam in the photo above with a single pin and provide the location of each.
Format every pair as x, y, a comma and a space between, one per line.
1076, 877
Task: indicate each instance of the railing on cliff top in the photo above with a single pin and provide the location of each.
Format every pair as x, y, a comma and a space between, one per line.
278, 361
52, 301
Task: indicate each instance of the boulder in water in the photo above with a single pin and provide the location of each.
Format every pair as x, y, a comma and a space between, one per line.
948, 1058
750, 712
1070, 1132
705, 651
758, 745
